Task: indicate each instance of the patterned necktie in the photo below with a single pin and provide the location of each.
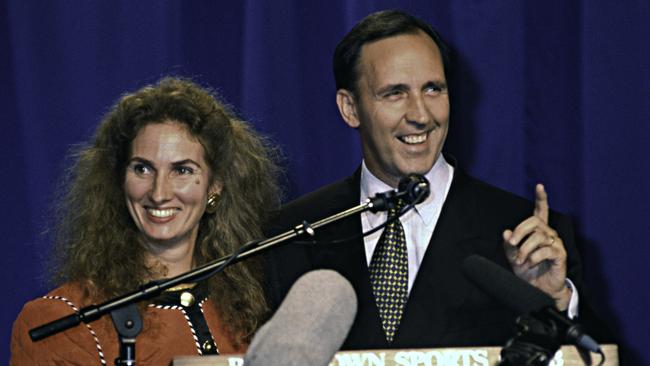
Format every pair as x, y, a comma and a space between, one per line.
389, 274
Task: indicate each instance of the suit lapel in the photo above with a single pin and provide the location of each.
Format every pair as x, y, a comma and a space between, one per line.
439, 282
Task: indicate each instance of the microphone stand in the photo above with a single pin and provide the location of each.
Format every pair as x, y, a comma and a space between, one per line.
126, 318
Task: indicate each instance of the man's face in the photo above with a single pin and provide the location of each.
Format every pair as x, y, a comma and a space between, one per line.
401, 107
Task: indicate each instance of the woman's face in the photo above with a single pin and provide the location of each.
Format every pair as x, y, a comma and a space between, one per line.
167, 183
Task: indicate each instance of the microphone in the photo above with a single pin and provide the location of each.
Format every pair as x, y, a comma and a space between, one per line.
310, 325
413, 189
523, 298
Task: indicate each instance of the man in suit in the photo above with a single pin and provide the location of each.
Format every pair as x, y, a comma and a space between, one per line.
392, 88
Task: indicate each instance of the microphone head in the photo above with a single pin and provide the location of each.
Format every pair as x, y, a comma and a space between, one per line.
415, 187
310, 325
504, 286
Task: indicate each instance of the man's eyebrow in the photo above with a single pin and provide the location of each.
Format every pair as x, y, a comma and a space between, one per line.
435, 83
392, 88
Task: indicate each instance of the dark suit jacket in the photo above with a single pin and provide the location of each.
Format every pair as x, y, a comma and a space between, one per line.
443, 308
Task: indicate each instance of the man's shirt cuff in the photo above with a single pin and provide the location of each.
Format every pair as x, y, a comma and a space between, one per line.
572, 310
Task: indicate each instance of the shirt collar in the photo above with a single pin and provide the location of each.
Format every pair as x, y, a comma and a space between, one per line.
439, 179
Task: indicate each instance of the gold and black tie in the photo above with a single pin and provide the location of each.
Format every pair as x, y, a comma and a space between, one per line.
389, 274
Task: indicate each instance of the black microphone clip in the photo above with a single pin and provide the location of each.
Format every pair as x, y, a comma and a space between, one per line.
413, 189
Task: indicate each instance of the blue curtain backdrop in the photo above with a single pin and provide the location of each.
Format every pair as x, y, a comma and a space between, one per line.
554, 91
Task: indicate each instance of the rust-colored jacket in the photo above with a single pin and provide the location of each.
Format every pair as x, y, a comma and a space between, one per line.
167, 333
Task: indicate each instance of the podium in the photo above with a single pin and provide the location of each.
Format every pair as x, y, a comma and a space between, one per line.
466, 356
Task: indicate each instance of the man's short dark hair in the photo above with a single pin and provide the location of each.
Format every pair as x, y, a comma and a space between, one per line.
374, 27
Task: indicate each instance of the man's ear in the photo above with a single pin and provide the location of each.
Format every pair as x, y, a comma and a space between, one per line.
347, 107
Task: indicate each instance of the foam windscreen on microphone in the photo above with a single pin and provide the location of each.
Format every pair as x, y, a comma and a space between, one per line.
504, 286
310, 325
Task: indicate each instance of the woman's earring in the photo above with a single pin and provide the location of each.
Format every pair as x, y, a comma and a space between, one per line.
211, 205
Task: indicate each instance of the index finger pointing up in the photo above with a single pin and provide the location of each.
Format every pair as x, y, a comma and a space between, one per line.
541, 203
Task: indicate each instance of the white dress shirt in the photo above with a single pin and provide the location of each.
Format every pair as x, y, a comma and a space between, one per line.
418, 223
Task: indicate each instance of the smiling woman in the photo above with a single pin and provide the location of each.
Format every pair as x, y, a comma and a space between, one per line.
166, 186
171, 180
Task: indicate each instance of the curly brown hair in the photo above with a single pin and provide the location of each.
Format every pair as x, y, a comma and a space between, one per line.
94, 240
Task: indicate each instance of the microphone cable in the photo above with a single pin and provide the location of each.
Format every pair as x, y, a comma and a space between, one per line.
389, 220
